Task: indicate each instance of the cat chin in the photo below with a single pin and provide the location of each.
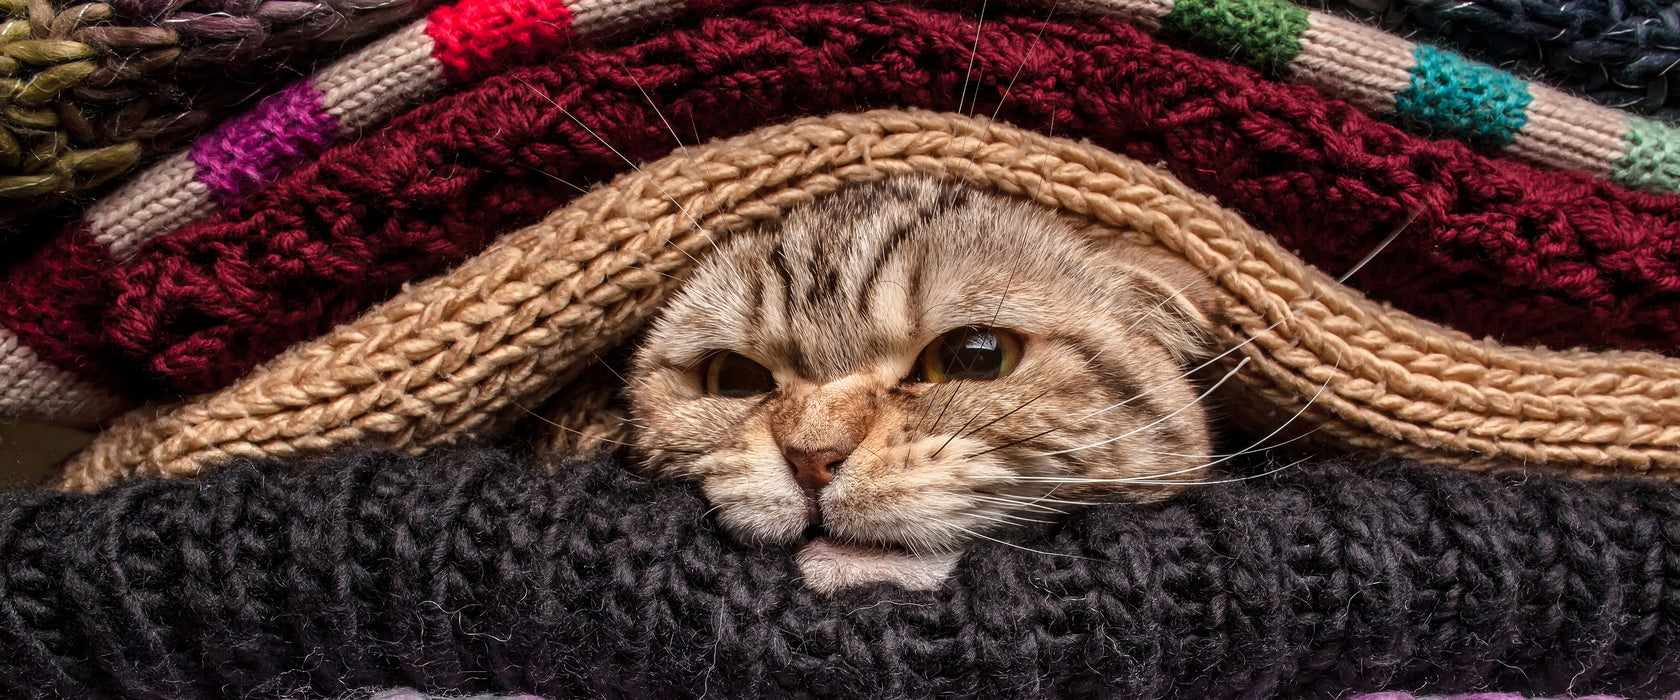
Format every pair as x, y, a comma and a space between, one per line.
831, 567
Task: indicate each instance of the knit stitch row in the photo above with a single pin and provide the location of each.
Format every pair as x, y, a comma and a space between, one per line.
89, 89
1500, 248
460, 354
1619, 53
1436, 92
471, 571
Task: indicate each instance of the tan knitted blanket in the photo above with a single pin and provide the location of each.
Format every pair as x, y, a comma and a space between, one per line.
460, 354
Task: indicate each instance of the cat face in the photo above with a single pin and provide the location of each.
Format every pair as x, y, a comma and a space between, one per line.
909, 365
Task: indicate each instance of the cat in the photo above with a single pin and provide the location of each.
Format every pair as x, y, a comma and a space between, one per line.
895, 371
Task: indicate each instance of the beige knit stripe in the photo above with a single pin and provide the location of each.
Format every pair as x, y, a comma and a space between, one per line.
34, 391
163, 198
381, 81
1565, 132
593, 17
461, 352
1145, 13
361, 90
1360, 65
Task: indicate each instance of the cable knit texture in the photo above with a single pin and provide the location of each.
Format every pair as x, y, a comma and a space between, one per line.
469, 570
1500, 248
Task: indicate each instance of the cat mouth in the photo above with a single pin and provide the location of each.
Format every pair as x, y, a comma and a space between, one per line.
829, 565
818, 537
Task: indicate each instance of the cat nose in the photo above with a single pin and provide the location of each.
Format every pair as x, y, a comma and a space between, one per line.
813, 469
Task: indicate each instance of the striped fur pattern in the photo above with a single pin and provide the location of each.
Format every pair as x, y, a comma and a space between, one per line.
839, 300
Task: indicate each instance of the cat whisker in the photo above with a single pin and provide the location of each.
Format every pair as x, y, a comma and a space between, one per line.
955, 526
1153, 481
1158, 421
1381, 246
1232, 480
668, 127
1012, 411
973, 53
1006, 285
633, 166
580, 433
1251, 449
1256, 446
1004, 98
1059, 385
1046, 499
1093, 358
1063, 383
605, 365
1004, 519
1019, 518
956, 388
557, 178
1015, 502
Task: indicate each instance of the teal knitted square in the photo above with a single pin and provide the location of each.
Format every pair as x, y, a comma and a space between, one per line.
1463, 99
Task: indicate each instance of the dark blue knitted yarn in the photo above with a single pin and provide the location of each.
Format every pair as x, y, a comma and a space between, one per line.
1621, 53
471, 570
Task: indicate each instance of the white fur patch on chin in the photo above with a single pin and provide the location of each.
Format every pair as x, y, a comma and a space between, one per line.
831, 567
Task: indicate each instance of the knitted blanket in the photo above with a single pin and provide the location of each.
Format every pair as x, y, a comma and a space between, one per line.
464, 352
1497, 247
1619, 53
92, 88
471, 571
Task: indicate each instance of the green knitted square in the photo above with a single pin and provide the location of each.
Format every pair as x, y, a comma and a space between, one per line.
1262, 33
1652, 161
1463, 99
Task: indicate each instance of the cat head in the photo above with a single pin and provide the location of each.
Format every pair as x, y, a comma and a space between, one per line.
913, 364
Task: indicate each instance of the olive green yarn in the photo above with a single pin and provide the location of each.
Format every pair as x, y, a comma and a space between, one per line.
1262, 33
1652, 161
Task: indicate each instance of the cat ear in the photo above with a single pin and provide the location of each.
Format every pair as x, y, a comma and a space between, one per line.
1179, 300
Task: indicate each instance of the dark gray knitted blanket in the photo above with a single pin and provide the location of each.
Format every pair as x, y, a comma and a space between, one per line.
471, 570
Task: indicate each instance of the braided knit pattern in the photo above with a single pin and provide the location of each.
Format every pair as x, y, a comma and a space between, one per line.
461, 353
473, 572
1500, 248
86, 89
1619, 53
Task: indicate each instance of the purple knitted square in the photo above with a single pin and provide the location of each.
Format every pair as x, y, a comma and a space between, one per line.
250, 151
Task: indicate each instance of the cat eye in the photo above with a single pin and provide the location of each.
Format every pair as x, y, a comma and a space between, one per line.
972, 352
732, 375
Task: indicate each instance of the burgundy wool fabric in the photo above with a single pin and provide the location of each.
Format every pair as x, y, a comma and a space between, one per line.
1500, 248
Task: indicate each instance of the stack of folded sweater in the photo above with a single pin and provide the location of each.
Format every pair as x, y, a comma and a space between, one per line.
460, 199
